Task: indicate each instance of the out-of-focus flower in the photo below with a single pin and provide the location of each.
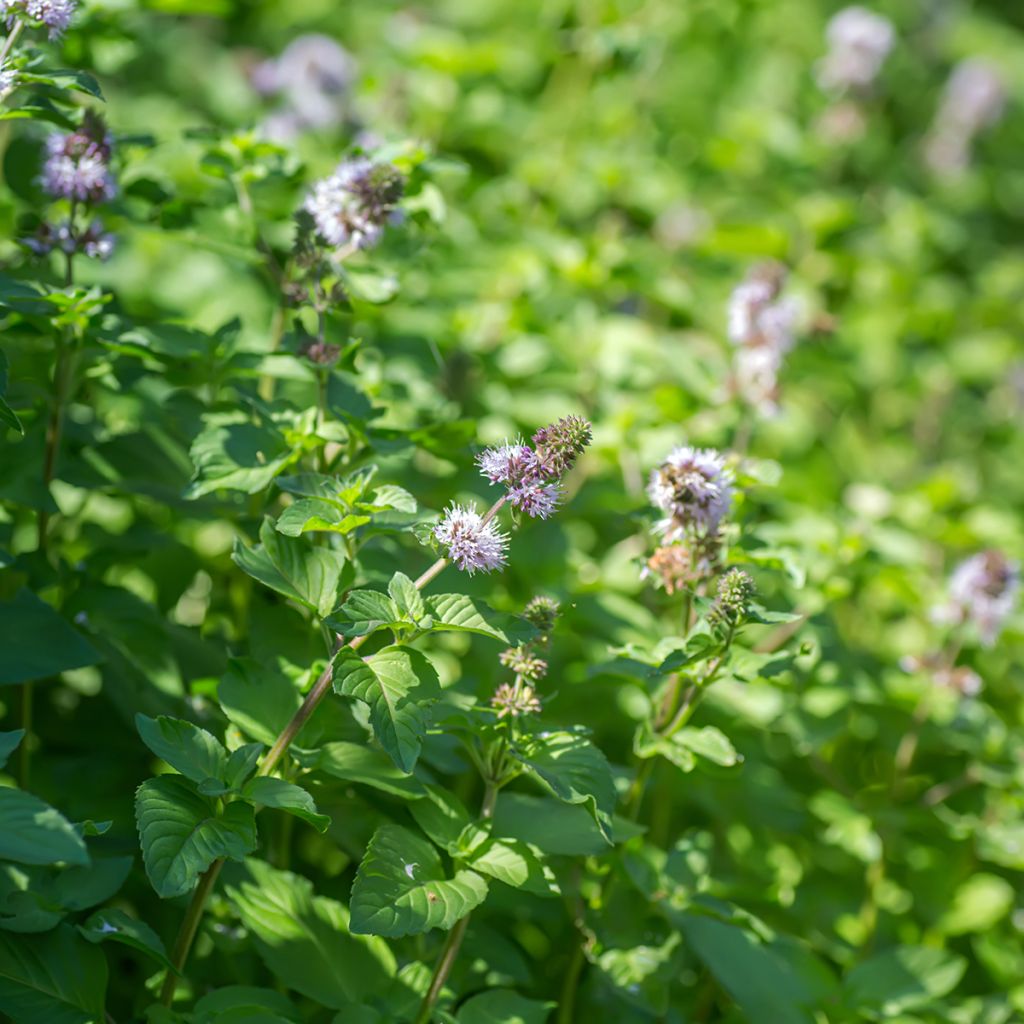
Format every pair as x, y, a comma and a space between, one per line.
77, 165
313, 76
542, 612
858, 40
842, 122
694, 487
94, 241
756, 378
671, 565
735, 589
974, 99
354, 204
524, 663
960, 678
513, 701
982, 592
8, 79
472, 544
56, 15
321, 353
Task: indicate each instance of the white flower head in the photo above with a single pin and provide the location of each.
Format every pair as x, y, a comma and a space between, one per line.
508, 463
694, 487
354, 204
472, 544
858, 40
537, 500
983, 591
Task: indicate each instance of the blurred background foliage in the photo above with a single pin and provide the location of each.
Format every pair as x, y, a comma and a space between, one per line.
595, 179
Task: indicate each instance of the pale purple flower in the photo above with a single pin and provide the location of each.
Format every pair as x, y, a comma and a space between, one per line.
535, 499
96, 243
56, 15
472, 544
859, 40
352, 206
756, 378
983, 591
694, 487
77, 165
508, 463
8, 78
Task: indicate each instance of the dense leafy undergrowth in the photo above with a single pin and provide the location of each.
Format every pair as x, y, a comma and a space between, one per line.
509, 512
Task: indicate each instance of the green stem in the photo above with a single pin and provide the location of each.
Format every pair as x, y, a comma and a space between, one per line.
12, 38
24, 751
571, 982
189, 925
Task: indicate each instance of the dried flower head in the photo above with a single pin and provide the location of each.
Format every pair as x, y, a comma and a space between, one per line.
982, 592
735, 590
471, 543
524, 663
56, 15
514, 701
560, 444
77, 165
694, 487
858, 40
542, 612
670, 566
354, 204
320, 353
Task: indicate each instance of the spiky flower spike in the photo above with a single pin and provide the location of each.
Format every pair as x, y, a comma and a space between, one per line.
524, 663
735, 589
513, 701
472, 544
560, 444
694, 487
983, 592
542, 613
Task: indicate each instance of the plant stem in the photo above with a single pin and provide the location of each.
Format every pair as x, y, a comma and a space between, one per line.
24, 754
453, 943
567, 998
319, 690
12, 38
188, 930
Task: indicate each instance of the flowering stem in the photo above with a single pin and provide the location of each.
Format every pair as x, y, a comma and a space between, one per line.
319, 690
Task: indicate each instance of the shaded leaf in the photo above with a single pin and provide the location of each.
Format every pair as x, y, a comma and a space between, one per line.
32, 832
285, 796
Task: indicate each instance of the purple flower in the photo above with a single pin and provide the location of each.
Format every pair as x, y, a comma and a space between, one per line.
694, 487
983, 592
859, 41
77, 165
508, 463
54, 14
353, 205
535, 499
472, 544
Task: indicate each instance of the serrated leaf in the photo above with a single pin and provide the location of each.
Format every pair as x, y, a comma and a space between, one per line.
312, 515
366, 611
185, 747
285, 796
238, 456
242, 763
182, 835
33, 832
442, 816
356, 762
503, 1006
260, 701
391, 496
112, 925
399, 685
309, 575
515, 863
406, 597
58, 978
306, 940
401, 889
468, 615
574, 770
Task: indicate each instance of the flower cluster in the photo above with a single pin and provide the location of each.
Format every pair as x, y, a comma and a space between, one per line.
312, 76
77, 169
353, 205
473, 543
511, 701
542, 612
524, 663
55, 15
762, 325
960, 678
519, 697
974, 98
693, 486
531, 474
858, 43
735, 590
982, 593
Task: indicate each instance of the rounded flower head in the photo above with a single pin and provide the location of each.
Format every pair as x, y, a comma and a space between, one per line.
524, 662
353, 205
859, 41
560, 444
694, 487
508, 463
982, 591
471, 544
77, 165
513, 701
541, 612
56, 15
539, 501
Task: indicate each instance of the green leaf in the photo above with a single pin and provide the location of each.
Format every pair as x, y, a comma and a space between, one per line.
25, 622
406, 597
401, 889
356, 762
503, 1006
32, 832
442, 816
260, 701
763, 984
366, 611
309, 515
515, 863
185, 747
902, 978
7, 414
574, 770
115, 925
9, 743
182, 835
56, 978
389, 496
238, 456
399, 685
687, 746
553, 826
285, 796
312, 576
464, 614
242, 763
244, 1004
305, 940
978, 905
